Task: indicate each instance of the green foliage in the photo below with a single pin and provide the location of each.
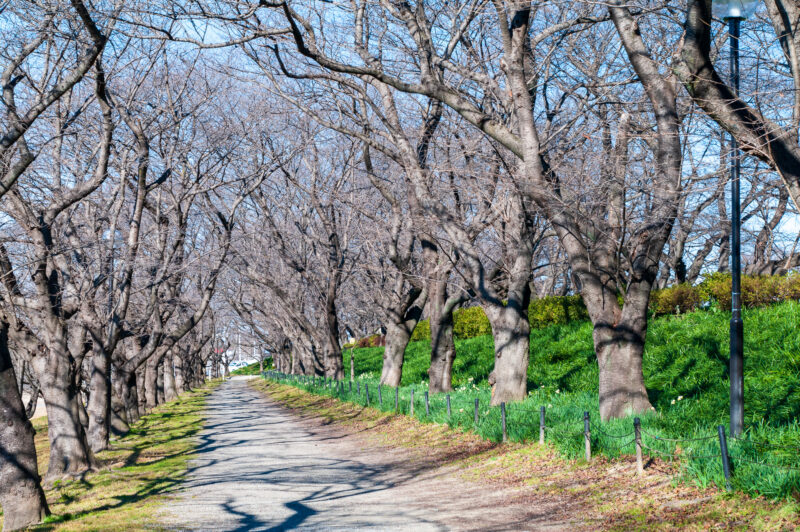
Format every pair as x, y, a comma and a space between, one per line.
422, 331
677, 299
685, 364
469, 323
253, 369
472, 322
757, 290
556, 310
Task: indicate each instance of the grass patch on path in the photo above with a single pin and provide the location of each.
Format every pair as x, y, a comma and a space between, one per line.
137, 471
605, 493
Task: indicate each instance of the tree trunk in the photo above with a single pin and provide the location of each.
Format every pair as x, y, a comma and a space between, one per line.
21, 495
181, 382
511, 334
333, 362
397, 338
160, 382
443, 347
120, 397
70, 453
99, 407
619, 336
141, 392
200, 374
170, 389
150, 384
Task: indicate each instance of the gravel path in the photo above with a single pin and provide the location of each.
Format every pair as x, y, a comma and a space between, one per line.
261, 468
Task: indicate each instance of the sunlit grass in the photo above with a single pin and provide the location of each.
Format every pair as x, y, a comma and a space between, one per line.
686, 373
138, 470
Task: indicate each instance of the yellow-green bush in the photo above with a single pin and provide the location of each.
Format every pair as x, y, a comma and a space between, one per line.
422, 331
677, 299
556, 310
470, 322
757, 291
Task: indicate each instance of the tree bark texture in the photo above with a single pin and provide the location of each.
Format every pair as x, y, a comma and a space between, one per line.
21, 495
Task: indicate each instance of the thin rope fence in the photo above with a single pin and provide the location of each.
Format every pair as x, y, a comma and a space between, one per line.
498, 419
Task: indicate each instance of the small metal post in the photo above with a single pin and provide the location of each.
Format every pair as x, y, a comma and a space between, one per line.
723, 448
427, 405
366, 389
396, 398
476, 411
637, 436
448, 405
351, 386
358, 388
541, 425
411, 407
587, 436
380, 396
503, 421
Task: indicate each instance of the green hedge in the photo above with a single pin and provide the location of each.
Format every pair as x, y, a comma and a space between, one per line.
472, 322
757, 291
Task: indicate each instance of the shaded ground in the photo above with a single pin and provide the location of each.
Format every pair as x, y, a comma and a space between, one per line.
258, 466
135, 473
291, 460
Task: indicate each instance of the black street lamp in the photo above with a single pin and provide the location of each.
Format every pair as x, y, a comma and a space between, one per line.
733, 12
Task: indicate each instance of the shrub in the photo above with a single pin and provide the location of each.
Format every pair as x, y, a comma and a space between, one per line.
757, 291
369, 341
422, 331
677, 299
470, 322
556, 310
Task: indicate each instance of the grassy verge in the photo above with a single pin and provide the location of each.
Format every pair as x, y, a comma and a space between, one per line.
613, 497
754, 465
138, 470
685, 366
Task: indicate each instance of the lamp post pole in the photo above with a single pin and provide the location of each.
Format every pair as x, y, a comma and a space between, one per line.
737, 326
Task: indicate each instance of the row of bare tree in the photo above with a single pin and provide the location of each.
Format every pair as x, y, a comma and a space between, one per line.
311, 168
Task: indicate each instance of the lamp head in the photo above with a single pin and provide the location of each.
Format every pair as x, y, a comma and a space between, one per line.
727, 9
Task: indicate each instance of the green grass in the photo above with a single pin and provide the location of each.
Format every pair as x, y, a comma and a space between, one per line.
686, 364
138, 470
253, 369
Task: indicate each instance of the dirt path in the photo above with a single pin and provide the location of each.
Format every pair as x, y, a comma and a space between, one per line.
262, 468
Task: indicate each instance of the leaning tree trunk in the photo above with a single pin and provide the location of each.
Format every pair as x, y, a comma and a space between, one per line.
403, 319
511, 334
99, 407
397, 338
70, 454
21, 495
